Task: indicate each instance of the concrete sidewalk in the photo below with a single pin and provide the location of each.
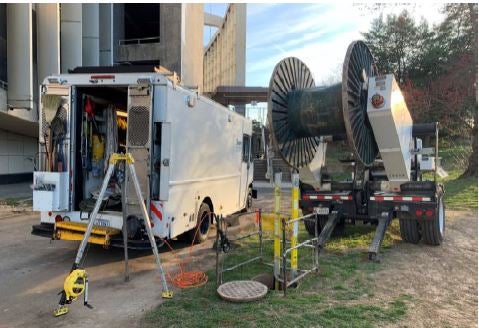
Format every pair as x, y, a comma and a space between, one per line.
16, 190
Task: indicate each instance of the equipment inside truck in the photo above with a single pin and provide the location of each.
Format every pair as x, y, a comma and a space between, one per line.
98, 126
100, 130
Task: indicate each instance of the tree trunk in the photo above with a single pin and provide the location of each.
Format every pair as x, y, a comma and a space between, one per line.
471, 170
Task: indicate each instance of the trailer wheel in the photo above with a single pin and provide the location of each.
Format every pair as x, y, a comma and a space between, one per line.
433, 230
409, 228
310, 224
323, 219
203, 223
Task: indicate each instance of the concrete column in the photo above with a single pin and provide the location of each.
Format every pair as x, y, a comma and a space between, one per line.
48, 39
19, 56
170, 36
106, 34
71, 36
91, 34
192, 22
118, 27
240, 44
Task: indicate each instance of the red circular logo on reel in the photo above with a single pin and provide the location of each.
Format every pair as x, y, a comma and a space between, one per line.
377, 100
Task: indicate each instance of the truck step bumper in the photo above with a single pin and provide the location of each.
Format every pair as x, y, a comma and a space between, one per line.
47, 230
75, 231
43, 230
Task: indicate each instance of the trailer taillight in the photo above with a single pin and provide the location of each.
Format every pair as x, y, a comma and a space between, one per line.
58, 218
429, 213
418, 212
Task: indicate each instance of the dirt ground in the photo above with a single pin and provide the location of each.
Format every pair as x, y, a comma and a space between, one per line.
441, 280
32, 271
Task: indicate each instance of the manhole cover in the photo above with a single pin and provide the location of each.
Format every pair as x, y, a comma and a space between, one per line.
242, 291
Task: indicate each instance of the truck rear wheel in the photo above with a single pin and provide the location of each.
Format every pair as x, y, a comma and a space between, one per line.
433, 230
249, 200
409, 228
203, 222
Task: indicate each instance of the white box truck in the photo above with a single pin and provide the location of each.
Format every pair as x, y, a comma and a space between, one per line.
192, 156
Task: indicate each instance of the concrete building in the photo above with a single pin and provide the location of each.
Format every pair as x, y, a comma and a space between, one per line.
225, 55
37, 40
167, 34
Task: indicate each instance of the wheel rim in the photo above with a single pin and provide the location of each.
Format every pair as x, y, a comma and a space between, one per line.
205, 223
441, 217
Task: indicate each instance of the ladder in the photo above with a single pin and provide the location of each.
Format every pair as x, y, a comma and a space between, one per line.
77, 282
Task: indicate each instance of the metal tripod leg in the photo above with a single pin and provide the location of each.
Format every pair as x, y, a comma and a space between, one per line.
333, 219
94, 214
125, 227
383, 225
166, 292
62, 308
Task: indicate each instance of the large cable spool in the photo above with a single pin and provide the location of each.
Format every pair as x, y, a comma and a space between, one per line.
300, 113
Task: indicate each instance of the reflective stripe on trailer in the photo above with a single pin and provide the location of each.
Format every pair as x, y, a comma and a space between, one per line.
326, 197
401, 198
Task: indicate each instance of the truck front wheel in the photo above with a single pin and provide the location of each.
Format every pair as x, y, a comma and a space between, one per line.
433, 230
203, 222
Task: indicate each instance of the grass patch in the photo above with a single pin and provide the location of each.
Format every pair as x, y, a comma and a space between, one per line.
304, 307
360, 236
340, 295
10, 201
460, 193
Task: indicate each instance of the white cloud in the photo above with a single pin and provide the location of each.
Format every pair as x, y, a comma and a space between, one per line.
255, 9
319, 36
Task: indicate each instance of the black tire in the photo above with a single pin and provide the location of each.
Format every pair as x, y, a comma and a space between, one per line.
433, 230
323, 219
203, 222
409, 228
310, 224
249, 200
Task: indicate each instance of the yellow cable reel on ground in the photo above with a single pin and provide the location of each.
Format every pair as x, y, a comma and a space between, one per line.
75, 285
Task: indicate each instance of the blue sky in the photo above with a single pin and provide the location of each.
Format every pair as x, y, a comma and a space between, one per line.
317, 33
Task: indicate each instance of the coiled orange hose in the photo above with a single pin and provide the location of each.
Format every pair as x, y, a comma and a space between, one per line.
187, 279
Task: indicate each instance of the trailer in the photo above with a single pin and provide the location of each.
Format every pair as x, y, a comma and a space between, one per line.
389, 162
192, 157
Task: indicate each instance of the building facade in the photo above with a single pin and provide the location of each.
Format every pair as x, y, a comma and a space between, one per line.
225, 56
37, 40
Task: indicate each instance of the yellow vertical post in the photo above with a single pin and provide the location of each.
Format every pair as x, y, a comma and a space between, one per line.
277, 211
294, 215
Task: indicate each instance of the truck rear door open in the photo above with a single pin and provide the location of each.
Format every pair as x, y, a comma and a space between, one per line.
138, 141
51, 179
